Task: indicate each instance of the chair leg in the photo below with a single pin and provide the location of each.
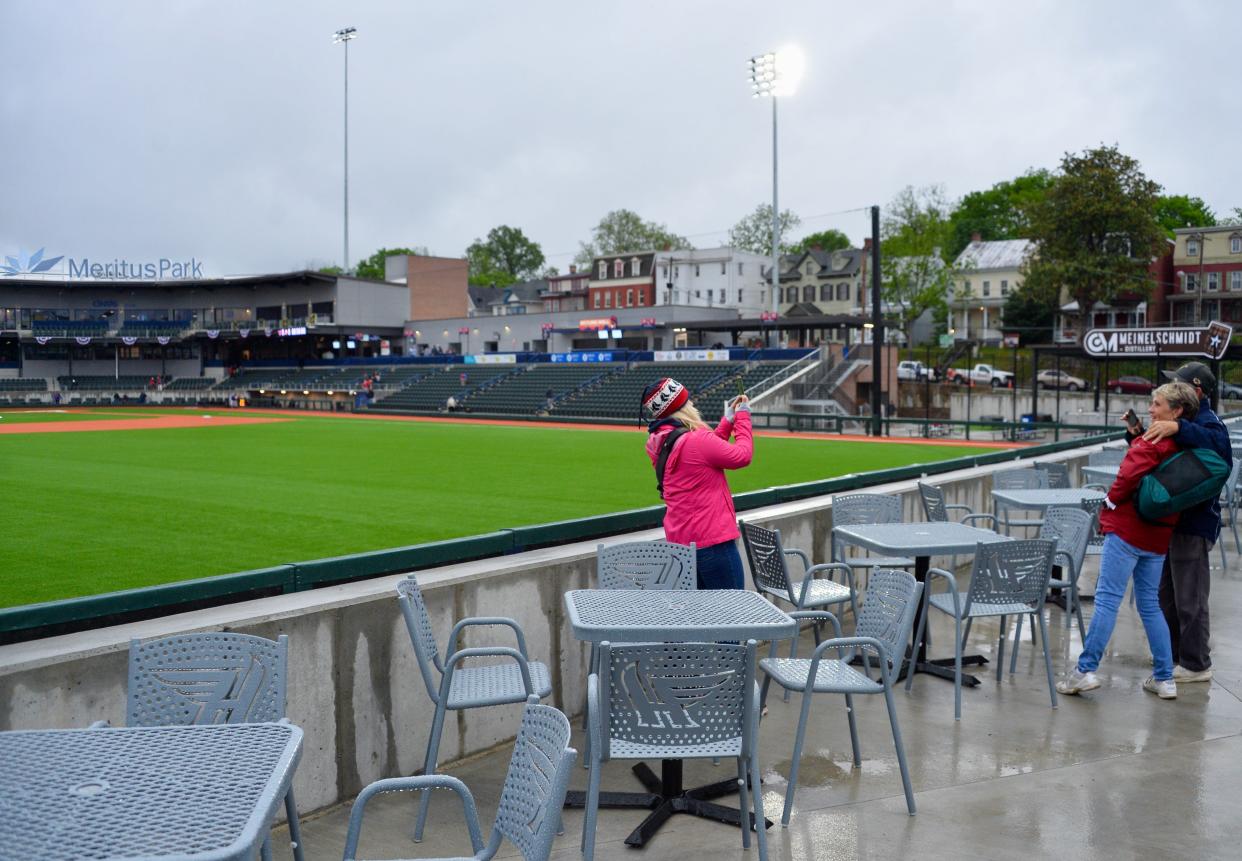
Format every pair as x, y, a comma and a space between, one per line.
901, 750
799, 737
1082, 629
1233, 524
957, 668
592, 811
761, 831
849, 711
295, 827
743, 798
918, 640
1017, 641
966, 633
265, 851
763, 693
1224, 564
1043, 631
1000, 649
429, 767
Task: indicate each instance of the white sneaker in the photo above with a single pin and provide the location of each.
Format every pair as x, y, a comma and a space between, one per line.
1185, 676
1076, 683
1166, 689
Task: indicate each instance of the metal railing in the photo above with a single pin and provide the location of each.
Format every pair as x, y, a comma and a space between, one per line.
808, 361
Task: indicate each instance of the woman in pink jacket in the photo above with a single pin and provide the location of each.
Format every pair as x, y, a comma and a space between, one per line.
695, 491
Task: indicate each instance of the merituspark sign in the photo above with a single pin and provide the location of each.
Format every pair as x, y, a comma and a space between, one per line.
124, 270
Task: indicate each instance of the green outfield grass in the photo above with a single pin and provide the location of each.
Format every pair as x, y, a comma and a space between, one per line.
95, 512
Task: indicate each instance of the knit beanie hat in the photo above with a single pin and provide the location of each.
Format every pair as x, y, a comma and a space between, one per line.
662, 399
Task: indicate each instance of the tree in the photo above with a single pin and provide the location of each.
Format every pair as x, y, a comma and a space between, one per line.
1180, 210
914, 275
826, 240
999, 212
505, 257
1030, 310
1096, 230
754, 232
373, 266
622, 230
1234, 220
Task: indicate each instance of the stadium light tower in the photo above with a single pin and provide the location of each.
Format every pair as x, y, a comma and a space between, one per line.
345, 36
773, 75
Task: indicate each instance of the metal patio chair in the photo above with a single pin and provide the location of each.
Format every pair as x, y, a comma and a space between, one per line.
211, 678
1017, 479
855, 508
1009, 578
677, 701
1230, 499
936, 510
1056, 475
530, 800
883, 627
1071, 529
1106, 457
454, 687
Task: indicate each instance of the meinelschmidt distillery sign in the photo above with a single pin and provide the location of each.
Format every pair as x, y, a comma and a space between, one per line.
1210, 341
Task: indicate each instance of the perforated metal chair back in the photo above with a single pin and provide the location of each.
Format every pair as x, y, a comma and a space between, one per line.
1019, 479
767, 560
671, 695
534, 788
1106, 457
210, 678
414, 611
933, 503
1230, 492
646, 565
1071, 529
854, 508
888, 609
1056, 475
1011, 572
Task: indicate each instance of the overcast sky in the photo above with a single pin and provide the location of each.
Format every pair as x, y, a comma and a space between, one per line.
214, 129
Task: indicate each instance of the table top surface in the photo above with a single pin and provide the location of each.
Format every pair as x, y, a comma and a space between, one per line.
917, 539
1102, 469
1046, 497
143, 792
669, 615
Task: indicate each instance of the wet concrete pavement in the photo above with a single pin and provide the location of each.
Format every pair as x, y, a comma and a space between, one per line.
1115, 773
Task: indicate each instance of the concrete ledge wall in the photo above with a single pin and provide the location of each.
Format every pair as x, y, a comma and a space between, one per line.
354, 683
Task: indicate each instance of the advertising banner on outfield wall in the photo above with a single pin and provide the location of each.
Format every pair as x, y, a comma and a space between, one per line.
692, 355
492, 359
582, 357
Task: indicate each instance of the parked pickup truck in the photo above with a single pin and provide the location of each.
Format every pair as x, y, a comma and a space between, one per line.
981, 375
915, 371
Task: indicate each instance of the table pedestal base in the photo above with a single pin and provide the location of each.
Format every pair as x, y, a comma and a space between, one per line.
666, 796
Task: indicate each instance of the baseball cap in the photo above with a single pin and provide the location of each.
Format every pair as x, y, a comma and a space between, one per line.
1195, 373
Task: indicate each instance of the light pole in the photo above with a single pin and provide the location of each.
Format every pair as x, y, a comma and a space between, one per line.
345, 36
772, 75
1200, 239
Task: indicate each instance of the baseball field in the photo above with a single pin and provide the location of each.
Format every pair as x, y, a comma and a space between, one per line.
106, 499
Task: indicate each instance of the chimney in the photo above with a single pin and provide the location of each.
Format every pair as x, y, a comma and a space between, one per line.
573, 268
816, 248
867, 244
976, 237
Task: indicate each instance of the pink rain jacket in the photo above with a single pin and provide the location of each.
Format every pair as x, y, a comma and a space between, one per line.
699, 504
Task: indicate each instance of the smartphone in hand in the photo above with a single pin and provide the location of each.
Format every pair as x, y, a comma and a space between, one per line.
1132, 421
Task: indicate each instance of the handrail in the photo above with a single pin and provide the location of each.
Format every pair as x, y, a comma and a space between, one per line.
808, 361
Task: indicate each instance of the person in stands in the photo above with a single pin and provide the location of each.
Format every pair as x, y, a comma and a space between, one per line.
699, 506
1135, 547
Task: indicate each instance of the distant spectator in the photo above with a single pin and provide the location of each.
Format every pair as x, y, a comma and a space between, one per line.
450, 404
463, 378
56, 399
550, 397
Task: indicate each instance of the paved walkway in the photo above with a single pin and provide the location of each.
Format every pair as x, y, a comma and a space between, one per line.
1113, 774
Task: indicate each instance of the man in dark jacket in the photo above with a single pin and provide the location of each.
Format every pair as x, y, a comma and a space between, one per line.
1185, 582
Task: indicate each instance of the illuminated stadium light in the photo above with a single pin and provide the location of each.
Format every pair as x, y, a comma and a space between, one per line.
330, 392
305, 391
283, 392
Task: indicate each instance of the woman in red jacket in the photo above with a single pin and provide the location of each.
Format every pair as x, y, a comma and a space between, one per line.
699, 505
1135, 547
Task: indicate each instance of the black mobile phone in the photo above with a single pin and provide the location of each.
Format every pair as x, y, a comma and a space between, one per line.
1130, 418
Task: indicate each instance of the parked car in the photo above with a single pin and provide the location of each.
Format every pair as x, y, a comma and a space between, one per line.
914, 371
1131, 385
980, 375
1060, 380
1230, 392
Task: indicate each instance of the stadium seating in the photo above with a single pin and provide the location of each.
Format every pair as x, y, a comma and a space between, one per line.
526, 393
103, 382
153, 328
23, 384
617, 396
70, 328
181, 384
431, 392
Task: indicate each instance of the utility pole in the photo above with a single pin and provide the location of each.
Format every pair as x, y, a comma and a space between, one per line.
877, 326
1199, 287
345, 36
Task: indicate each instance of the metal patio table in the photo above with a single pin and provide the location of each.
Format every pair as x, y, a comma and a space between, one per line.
1043, 498
1105, 474
923, 541
174, 792
672, 616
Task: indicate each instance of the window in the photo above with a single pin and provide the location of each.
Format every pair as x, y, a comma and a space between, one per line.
810, 268
843, 292
676, 272
791, 295
608, 299
664, 271
808, 293
598, 297
668, 297
1192, 247
724, 268
629, 298
966, 288
1004, 288
696, 270
739, 268
987, 288
603, 271
1213, 282
825, 292
722, 295
636, 266
618, 268
1192, 281
739, 292
698, 294
1235, 245
1235, 280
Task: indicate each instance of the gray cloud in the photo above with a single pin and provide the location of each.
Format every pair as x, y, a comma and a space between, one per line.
150, 129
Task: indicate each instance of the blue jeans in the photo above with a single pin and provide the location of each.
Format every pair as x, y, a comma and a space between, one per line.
720, 567
1118, 562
